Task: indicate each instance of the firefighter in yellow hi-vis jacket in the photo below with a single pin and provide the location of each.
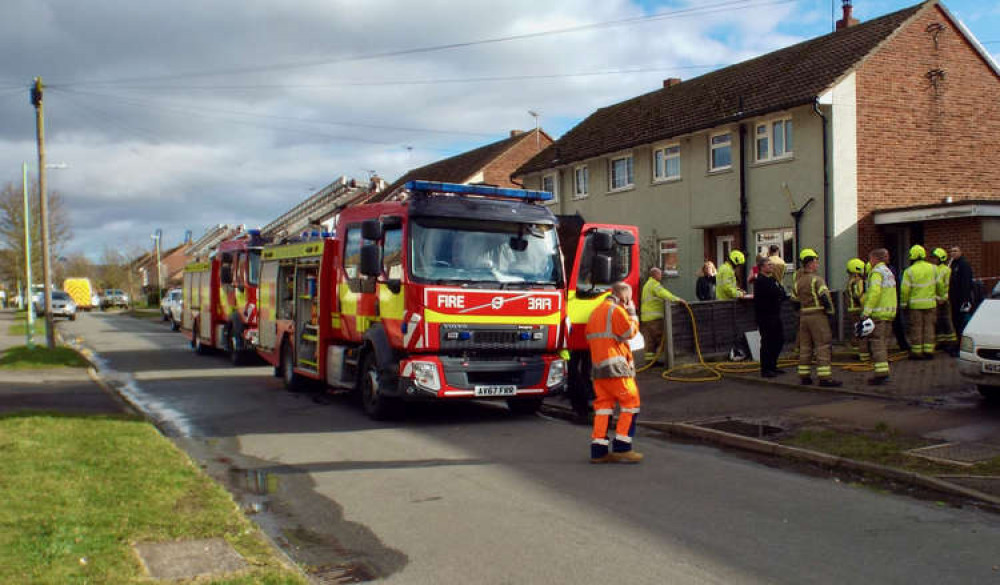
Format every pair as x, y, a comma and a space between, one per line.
855, 302
651, 312
726, 286
945, 329
814, 327
918, 294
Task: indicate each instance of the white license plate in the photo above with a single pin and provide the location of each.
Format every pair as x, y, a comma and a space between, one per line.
505, 390
989, 368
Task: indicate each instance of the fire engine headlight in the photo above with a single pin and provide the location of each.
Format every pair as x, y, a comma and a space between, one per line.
557, 373
968, 344
425, 375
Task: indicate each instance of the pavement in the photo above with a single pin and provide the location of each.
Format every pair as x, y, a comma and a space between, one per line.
58, 389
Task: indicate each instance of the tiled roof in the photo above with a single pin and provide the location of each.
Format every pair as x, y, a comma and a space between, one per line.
459, 168
783, 79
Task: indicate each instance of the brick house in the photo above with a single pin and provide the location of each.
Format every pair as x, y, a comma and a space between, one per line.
881, 133
493, 164
172, 262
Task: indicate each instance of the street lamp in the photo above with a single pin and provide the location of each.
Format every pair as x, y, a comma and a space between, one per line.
156, 236
30, 313
538, 140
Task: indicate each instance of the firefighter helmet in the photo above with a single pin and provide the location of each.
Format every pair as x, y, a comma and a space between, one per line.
941, 254
808, 254
737, 257
855, 266
917, 252
864, 328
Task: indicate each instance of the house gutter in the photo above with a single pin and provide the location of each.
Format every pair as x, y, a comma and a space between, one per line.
744, 204
826, 195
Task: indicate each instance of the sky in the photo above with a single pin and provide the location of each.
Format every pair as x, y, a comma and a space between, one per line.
182, 115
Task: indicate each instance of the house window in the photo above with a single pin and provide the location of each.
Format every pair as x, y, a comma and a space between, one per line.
669, 261
721, 156
667, 163
784, 238
621, 173
550, 184
774, 139
581, 182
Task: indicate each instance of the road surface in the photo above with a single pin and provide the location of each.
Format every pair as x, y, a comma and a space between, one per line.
469, 493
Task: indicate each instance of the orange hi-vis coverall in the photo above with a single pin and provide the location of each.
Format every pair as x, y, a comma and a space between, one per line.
608, 331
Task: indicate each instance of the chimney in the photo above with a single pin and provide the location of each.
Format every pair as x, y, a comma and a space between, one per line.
848, 20
671, 81
514, 133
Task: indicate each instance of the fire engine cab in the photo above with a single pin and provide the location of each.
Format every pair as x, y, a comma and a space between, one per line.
452, 292
220, 298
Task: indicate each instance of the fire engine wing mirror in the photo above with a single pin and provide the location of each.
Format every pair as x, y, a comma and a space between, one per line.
395, 285
371, 264
602, 242
600, 270
226, 275
624, 238
371, 229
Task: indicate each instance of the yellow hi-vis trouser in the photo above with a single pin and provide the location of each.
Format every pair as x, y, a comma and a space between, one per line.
922, 331
880, 347
945, 328
864, 346
814, 333
652, 335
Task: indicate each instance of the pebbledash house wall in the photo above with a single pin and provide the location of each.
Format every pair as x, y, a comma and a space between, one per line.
928, 128
683, 208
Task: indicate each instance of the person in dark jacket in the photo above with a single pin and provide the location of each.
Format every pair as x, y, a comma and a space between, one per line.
960, 290
705, 287
768, 294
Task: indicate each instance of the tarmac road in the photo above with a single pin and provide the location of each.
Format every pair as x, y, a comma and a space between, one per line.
468, 493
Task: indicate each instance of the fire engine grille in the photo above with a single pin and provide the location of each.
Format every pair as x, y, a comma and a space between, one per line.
468, 373
989, 354
493, 339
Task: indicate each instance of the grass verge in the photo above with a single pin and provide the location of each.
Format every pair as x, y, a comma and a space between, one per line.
151, 313
884, 446
19, 328
78, 491
20, 357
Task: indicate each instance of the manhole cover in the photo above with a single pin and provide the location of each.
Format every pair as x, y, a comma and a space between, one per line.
957, 453
755, 430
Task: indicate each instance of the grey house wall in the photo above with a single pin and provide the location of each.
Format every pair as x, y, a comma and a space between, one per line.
683, 208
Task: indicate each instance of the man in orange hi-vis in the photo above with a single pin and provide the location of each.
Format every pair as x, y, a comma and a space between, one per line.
612, 324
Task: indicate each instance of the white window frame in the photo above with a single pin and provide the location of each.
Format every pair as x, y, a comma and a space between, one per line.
765, 130
663, 177
723, 246
579, 193
764, 238
631, 171
666, 247
554, 175
712, 148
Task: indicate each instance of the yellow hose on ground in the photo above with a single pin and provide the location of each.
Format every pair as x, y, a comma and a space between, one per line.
716, 371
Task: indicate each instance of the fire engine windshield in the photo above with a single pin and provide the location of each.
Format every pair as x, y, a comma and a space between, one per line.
253, 268
461, 250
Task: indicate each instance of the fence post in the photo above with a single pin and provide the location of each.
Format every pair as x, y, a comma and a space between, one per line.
668, 334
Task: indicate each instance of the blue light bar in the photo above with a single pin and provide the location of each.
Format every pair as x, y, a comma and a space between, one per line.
436, 187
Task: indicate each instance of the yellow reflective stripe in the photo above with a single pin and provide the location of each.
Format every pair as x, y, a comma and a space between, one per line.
435, 317
579, 310
390, 304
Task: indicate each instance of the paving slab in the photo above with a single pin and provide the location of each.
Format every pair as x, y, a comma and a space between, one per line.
189, 559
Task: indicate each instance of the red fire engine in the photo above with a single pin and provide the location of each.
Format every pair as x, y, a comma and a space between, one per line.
456, 292
220, 298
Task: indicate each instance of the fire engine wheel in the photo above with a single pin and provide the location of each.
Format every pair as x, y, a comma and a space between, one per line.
524, 406
377, 405
293, 382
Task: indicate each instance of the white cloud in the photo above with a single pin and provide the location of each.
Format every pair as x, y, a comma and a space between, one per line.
172, 155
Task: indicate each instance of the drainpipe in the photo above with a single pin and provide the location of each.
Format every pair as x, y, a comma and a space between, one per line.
744, 206
826, 196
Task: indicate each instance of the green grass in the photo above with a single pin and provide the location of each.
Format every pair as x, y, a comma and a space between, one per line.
77, 492
884, 446
39, 356
19, 328
152, 313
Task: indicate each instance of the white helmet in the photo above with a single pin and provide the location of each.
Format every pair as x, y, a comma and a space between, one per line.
864, 328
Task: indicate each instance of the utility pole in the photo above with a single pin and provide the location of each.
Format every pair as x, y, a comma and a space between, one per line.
36, 100
29, 330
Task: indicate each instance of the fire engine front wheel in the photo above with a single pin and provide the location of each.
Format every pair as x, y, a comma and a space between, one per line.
377, 405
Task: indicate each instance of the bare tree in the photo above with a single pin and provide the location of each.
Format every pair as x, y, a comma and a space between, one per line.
12, 231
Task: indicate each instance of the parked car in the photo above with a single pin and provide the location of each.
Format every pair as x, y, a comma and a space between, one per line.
170, 306
114, 297
62, 305
979, 351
